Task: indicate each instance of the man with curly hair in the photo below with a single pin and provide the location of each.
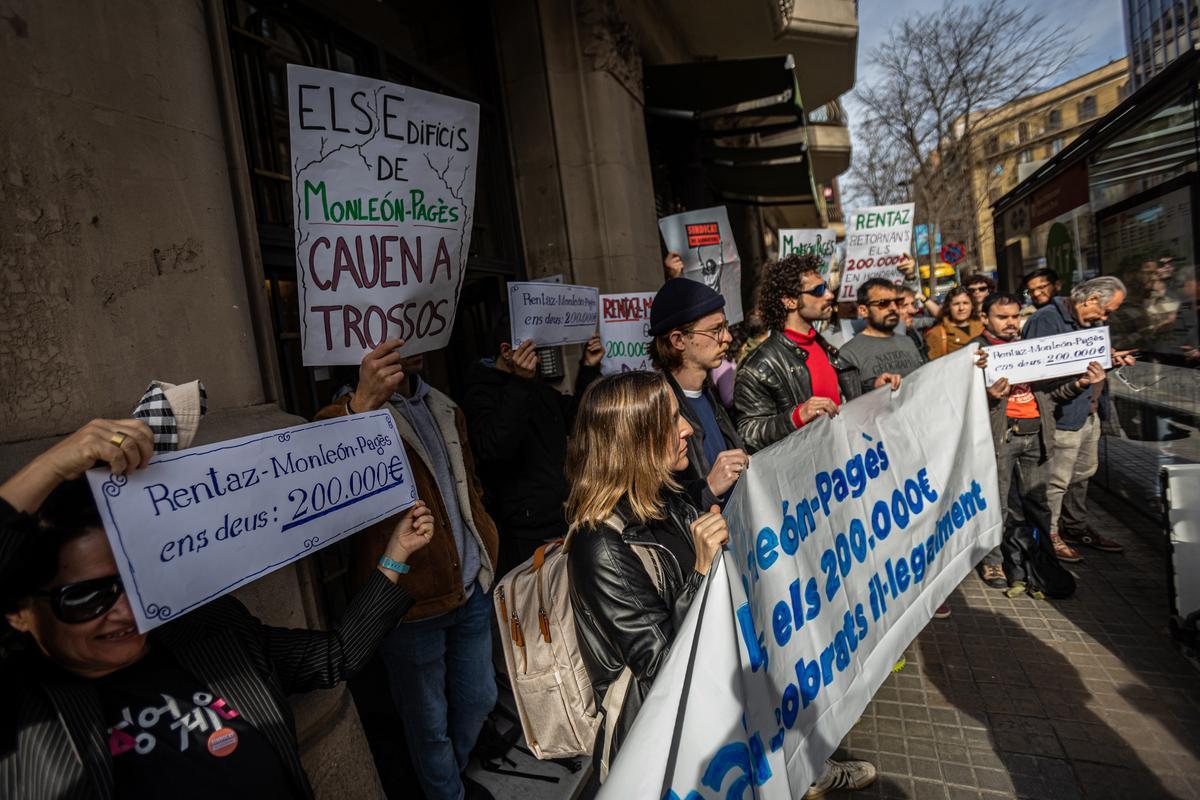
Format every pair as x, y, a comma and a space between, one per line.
795, 376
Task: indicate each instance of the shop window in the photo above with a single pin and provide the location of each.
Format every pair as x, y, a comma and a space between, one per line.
1055, 146
1025, 156
1054, 119
1087, 107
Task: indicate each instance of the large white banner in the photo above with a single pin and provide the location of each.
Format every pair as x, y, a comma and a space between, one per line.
383, 195
876, 240
198, 523
625, 331
704, 241
844, 539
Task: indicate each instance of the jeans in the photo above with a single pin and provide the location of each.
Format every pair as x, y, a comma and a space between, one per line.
444, 687
1022, 470
1076, 458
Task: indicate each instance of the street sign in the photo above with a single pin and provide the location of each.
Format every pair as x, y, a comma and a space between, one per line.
953, 252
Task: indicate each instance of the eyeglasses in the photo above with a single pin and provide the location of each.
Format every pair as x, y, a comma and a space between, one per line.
76, 603
884, 303
817, 291
713, 333
977, 289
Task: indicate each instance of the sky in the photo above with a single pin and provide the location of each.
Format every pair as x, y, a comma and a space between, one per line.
1100, 24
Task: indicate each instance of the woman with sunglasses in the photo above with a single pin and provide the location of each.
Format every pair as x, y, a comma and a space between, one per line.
93, 708
956, 324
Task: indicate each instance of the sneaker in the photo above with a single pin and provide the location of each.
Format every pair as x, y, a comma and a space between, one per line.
1090, 538
842, 775
993, 576
943, 611
1064, 551
1017, 589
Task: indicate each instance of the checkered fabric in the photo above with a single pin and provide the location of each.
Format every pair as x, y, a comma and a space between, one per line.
155, 409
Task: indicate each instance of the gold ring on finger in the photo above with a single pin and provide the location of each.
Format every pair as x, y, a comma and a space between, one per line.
118, 438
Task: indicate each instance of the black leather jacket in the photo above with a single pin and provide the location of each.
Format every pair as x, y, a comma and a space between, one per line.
620, 619
773, 380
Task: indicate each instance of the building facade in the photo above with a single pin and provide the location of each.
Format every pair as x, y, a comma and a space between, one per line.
1017, 138
1156, 33
149, 236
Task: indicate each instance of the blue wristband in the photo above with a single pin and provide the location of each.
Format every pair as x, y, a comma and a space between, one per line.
393, 565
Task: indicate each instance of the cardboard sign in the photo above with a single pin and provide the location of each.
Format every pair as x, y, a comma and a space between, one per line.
844, 538
876, 240
819, 242
199, 523
1046, 357
625, 331
383, 196
704, 241
552, 313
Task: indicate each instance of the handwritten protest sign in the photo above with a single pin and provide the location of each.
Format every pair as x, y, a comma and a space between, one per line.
552, 313
383, 195
199, 523
1048, 356
819, 242
704, 241
876, 240
844, 539
625, 331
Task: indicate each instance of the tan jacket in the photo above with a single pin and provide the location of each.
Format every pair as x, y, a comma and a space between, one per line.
946, 337
435, 582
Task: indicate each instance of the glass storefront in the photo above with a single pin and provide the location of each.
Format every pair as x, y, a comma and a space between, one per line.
1124, 203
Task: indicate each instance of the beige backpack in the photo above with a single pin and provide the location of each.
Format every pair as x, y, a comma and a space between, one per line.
550, 682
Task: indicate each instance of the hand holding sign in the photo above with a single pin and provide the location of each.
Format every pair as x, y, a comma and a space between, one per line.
379, 376
523, 360
709, 533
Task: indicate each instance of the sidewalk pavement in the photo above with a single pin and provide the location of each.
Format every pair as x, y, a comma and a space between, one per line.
1085, 697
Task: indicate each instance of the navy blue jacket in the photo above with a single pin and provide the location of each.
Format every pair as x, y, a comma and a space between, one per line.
1049, 320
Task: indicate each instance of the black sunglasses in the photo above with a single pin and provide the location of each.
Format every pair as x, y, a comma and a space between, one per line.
817, 291
75, 603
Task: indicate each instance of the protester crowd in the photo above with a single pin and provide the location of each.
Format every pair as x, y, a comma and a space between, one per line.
634, 467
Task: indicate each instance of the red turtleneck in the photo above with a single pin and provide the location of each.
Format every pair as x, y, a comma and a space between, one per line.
821, 373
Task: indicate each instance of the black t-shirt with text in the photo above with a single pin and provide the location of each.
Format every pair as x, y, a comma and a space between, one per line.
170, 735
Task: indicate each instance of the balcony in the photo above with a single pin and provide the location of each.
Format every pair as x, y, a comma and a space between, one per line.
822, 35
828, 142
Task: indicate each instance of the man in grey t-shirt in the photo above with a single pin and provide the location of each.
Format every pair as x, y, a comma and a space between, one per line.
880, 354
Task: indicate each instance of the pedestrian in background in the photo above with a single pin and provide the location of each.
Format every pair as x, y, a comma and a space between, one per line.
978, 286
956, 324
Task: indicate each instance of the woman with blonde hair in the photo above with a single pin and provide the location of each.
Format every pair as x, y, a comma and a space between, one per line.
638, 551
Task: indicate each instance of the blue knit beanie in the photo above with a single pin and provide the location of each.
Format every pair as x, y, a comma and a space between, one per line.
680, 301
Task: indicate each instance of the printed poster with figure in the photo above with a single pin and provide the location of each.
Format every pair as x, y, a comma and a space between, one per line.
704, 240
383, 196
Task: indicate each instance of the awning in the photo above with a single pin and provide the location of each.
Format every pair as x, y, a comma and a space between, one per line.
727, 98
736, 101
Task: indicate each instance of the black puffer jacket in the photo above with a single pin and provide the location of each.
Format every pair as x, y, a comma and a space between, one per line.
519, 429
620, 618
773, 380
